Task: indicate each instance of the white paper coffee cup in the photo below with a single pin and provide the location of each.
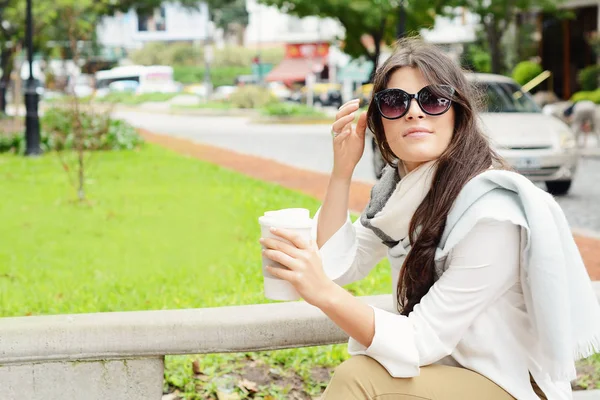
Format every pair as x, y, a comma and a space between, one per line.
295, 219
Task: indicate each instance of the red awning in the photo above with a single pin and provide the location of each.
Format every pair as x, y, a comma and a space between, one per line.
294, 69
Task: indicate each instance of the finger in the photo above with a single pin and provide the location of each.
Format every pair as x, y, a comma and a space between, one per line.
282, 258
361, 125
340, 124
291, 236
281, 273
346, 131
349, 102
346, 109
276, 244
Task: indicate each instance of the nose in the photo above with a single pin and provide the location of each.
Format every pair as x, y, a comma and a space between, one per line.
414, 111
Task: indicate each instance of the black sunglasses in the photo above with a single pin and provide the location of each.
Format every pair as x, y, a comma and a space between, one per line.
433, 100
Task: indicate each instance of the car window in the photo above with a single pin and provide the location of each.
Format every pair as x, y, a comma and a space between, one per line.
504, 97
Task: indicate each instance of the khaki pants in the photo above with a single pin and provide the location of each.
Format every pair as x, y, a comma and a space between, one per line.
361, 377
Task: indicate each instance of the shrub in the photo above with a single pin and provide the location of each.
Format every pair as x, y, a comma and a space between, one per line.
219, 76
589, 77
57, 133
100, 130
479, 59
291, 110
188, 54
251, 97
525, 71
587, 95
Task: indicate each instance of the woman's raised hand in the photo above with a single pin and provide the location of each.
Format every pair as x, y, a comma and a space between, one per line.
348, 140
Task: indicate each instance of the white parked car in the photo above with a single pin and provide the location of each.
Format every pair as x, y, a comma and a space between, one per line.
538, 146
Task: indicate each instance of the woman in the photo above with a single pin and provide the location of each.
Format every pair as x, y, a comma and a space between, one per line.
489, 285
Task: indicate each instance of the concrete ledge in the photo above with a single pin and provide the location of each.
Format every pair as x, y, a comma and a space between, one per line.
155, 333
117, 379
119, 335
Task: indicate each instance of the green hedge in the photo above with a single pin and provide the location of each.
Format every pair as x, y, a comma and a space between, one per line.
526, 71
219, 76
587, 95
181, 53
588, 77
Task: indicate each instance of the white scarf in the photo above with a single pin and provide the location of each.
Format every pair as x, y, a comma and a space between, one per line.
390, 213
561, 303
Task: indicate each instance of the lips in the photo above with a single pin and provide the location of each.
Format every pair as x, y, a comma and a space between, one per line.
417, 132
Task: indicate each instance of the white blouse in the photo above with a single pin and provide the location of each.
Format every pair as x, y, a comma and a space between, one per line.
474, 316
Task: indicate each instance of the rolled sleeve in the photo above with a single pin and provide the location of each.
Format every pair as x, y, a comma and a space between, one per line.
483, 266
390, 331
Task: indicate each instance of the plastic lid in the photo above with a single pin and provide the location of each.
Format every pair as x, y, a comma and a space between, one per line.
287, 218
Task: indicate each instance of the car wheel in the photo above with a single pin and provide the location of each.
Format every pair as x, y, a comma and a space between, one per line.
558, 187
378, 161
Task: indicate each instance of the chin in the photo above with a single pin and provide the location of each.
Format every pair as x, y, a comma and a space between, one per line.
419, 157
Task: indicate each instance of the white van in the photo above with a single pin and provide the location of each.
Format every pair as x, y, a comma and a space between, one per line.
150, 79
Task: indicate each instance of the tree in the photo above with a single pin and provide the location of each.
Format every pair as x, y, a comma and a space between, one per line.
232, 18
496, 16
12, 36
366, 20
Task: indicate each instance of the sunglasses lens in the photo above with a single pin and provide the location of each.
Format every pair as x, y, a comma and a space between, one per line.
393, 103
435, 101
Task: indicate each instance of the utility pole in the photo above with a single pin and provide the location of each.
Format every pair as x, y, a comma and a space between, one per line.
208, 55
32, 121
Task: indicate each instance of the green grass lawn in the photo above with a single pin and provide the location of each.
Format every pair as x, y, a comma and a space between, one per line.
162, 231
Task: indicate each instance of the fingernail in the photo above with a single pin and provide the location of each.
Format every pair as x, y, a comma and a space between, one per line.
261, 240
272, 229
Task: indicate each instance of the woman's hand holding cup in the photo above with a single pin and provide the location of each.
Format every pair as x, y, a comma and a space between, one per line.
348, 140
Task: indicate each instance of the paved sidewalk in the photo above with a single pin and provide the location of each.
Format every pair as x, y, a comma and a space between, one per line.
315, 183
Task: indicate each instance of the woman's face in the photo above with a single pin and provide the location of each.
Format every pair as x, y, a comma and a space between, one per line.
416, 138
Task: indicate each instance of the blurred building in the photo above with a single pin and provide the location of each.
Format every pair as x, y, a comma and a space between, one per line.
170, 22
310, 43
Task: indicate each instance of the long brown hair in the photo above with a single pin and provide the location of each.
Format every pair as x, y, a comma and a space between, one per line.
467, 155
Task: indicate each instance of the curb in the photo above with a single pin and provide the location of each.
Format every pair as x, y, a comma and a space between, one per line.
586, 395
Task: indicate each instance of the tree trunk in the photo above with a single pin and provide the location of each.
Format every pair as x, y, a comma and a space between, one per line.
6, 57
494, 36
374, 57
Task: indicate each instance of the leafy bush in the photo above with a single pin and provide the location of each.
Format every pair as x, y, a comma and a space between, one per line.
291, 110
589, 77
251, 97
587, 95
479, 59
101, 133
525, 71
219, 76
